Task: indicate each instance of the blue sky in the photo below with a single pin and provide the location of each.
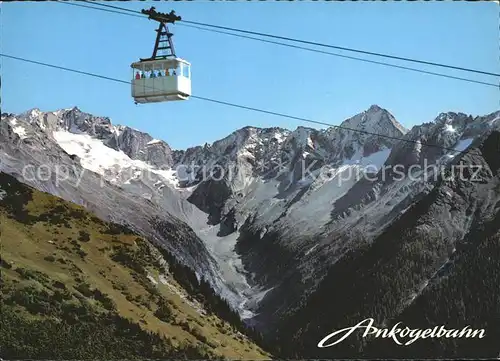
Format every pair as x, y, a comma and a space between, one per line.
251, 73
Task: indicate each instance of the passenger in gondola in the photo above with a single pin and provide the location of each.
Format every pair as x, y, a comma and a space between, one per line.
152, 74
137, 75
143, 75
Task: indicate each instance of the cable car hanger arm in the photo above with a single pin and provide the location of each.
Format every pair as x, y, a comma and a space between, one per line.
164, 36
161, 17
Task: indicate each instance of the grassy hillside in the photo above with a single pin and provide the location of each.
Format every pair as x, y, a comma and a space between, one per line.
76, 287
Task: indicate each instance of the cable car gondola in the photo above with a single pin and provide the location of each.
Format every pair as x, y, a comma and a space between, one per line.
162, 77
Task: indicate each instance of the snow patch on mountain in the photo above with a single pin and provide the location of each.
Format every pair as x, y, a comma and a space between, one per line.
463, 144
457, 149
154, 141
375, 160
18, 129
2, 194
110, 163
94, 155
449, 128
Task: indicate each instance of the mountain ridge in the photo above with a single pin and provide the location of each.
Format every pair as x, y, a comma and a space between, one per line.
275, 209
72, 117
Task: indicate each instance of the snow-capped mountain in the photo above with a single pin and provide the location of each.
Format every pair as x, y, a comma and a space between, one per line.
362, 212
263, 213
436, 263
51, 152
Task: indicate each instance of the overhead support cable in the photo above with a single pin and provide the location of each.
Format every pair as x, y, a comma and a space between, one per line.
308, 42
135, 14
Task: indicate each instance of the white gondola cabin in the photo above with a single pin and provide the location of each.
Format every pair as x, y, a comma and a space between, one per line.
162, 77
161, 80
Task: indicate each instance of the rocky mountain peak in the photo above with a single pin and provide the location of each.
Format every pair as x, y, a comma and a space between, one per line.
374, 108
376, 119
368, 132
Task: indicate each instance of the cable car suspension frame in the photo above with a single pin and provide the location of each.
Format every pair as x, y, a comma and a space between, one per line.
164, 36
